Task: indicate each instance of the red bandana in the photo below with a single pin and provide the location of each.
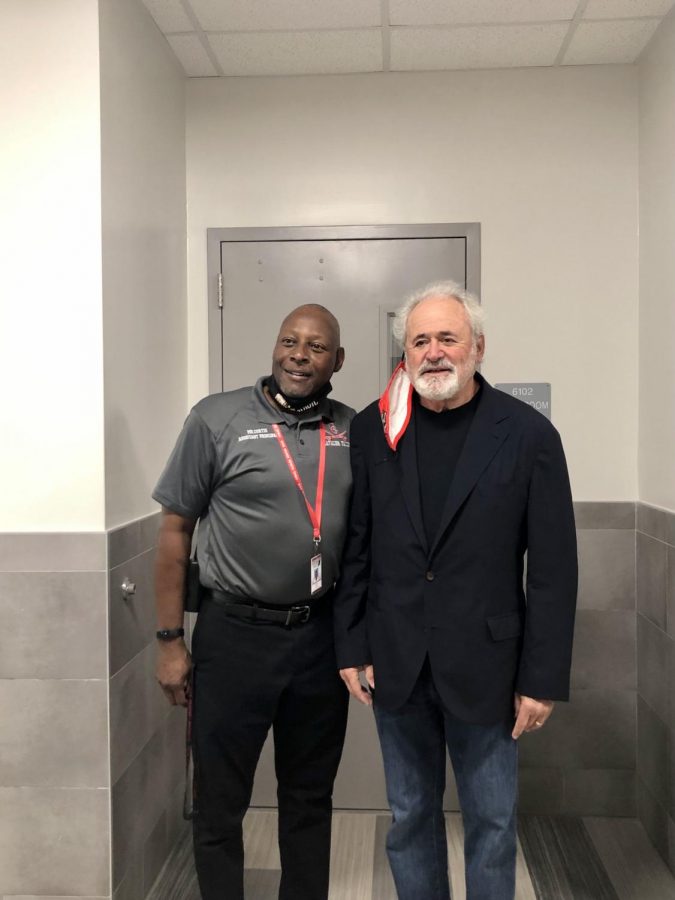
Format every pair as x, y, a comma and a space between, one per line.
396, 405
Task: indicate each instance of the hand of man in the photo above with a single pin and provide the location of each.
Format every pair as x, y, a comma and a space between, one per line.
530, 714
354, 684
173, 671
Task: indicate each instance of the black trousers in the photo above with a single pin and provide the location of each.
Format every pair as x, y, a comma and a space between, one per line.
248, 677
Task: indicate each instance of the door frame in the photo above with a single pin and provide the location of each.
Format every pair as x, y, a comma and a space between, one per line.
217, 297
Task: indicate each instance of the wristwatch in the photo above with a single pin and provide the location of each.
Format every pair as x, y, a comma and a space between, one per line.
169, 634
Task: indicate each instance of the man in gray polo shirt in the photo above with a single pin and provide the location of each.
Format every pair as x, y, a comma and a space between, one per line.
266, 470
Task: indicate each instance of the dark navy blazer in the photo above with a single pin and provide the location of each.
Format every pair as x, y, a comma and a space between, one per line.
462, 600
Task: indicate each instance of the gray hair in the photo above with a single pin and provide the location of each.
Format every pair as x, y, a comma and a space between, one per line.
446, 289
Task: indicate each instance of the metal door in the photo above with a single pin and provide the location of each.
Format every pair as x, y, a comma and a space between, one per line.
256, 276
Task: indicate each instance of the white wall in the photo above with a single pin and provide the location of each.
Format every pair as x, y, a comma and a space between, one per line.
144, 254
657, 270
51, 415
544, 159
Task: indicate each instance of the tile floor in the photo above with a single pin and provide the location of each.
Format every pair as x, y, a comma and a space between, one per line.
559, 858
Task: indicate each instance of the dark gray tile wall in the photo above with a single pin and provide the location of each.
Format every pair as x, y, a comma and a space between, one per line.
611, 748
600, 792
137, 710
86, 736
656, 673
604, 650
596, 730
131, 621
600, 514
54, 765
652, 579
147, 736
583, 762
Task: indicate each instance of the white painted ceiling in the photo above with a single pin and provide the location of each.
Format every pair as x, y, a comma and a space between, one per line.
302, 37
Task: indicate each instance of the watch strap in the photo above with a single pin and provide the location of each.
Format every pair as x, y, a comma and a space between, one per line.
169, 634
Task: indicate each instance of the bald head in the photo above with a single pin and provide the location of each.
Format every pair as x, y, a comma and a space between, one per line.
315, 310
307, 351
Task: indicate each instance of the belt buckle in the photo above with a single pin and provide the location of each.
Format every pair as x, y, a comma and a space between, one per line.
304, 612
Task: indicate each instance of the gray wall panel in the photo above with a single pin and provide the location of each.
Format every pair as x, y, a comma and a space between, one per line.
58, 735
604, 650
147, 745
54, 841
656, 676
606, 569
652, 560
132, 620
54, 625
53, 552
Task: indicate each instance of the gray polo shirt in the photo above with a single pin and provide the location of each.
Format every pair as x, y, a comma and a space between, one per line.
227, 468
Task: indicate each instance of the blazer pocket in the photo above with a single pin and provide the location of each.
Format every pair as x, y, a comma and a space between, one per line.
504, 627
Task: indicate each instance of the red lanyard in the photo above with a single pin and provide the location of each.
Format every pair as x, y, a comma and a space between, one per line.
314, 513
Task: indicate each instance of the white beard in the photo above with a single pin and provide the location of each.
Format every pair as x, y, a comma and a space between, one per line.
437, 385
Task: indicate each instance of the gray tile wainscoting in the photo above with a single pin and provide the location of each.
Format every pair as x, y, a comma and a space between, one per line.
91, 754
583, 762
91, 760
54, 758
147, 736
656, 676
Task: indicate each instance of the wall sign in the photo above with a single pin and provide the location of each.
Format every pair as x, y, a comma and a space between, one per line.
535, 394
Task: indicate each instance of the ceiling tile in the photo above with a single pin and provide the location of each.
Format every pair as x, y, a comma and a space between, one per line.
609, 42
299, 53
458, 12
285, 15
485, 47
169, 15
617, 9
191, 55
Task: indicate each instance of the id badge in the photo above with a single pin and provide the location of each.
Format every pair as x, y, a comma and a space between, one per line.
315, 573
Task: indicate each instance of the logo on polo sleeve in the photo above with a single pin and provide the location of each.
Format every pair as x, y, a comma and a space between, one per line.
336, 438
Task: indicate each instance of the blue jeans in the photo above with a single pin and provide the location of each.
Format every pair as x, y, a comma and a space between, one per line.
485, 761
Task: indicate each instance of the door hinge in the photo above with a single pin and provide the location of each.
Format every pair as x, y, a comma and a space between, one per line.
220, 290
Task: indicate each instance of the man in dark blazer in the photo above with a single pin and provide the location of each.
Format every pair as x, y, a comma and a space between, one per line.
453, 483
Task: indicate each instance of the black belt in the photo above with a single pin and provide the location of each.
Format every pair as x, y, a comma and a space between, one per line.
254, 611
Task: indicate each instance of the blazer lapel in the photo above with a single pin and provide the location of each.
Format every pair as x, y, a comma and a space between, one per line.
488, 431
410, 484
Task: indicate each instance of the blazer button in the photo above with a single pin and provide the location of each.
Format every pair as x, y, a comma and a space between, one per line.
430, 576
